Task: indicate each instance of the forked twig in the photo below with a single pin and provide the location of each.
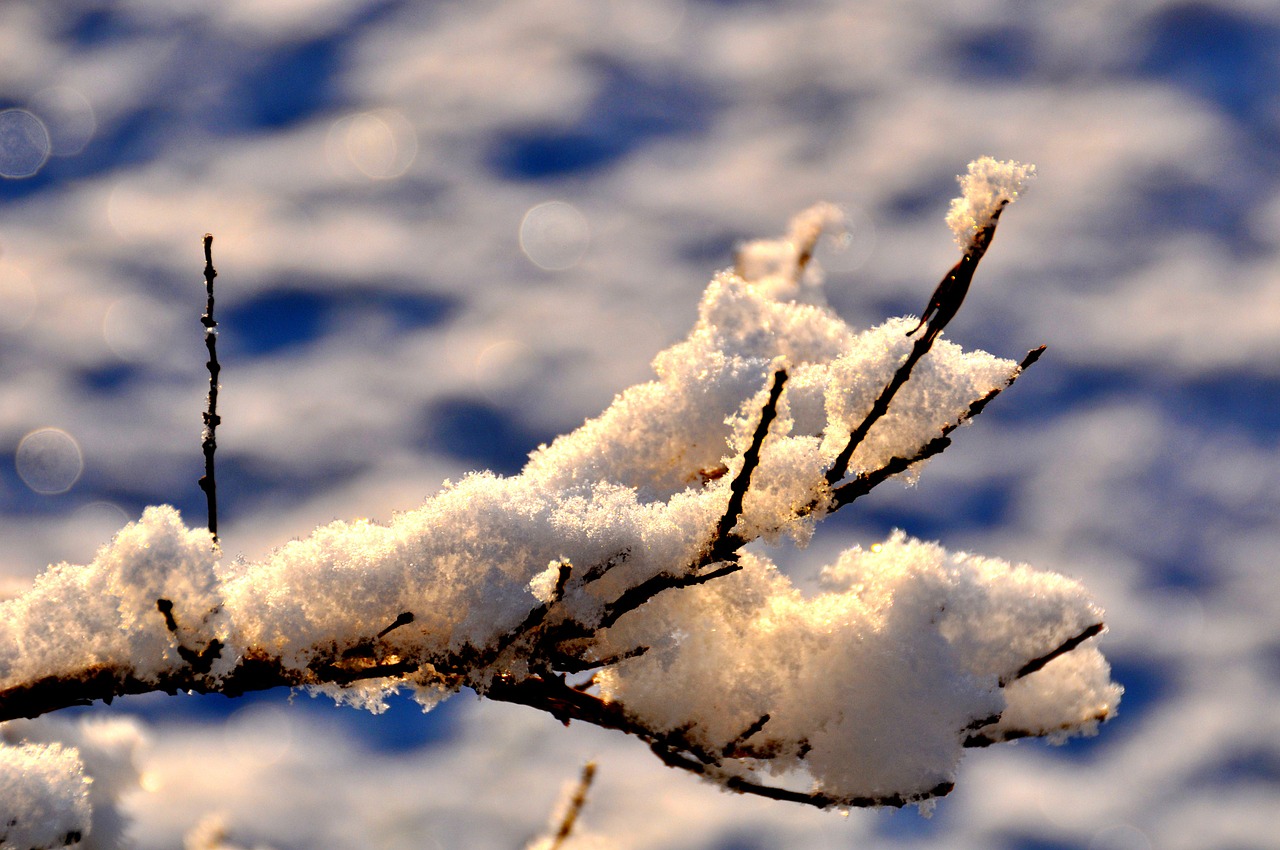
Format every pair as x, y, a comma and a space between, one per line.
867, 481
941, 309
724, 543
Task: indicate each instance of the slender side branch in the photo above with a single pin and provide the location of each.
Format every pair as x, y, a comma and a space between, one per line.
673, 748
734, 746
201, 661
403, 619
209, 443
840, 467
1071, 643
826, 801
725, 541
979, 738
636, 596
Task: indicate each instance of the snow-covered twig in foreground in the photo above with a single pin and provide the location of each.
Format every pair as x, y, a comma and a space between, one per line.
610, 581
566, 819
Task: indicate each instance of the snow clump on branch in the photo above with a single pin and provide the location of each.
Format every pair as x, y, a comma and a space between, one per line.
608, 582
988, 186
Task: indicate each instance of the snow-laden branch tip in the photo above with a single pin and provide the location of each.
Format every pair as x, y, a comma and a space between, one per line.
609, 581
986, 190
988, 186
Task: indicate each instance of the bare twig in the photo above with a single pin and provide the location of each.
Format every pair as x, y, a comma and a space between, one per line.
674, 748
826, 801
1036, 664
368, 649
208, 442
992, 736
981, 738
840, 466
404, 619
733, 746
636, 596
201, 661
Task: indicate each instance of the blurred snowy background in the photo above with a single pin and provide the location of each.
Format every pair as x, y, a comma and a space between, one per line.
447, 232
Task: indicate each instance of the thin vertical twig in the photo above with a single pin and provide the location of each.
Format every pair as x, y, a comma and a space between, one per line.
208, 442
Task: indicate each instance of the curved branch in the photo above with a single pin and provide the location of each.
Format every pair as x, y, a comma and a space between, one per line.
674, 748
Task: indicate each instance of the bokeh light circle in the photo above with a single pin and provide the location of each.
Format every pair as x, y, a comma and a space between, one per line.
554, 235
848, 249
138, 329
24, 144
378, 145
68, 117
100, 520
49, 461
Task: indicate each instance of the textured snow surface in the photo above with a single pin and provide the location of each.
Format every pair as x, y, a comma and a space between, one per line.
873, 680
76, 617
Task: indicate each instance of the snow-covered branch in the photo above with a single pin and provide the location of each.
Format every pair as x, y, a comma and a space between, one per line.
612, 582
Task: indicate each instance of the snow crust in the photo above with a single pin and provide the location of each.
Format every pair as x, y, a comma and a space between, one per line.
867, 690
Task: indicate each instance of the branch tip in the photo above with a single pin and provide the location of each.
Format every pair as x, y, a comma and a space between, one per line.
1066, 646
403, 619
